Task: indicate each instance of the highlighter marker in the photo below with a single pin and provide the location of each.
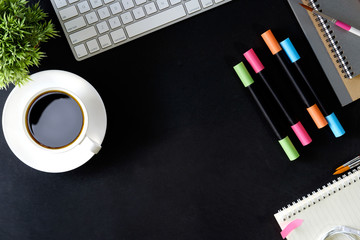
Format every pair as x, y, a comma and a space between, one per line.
296, 126
293, 55
313, 109
285, 142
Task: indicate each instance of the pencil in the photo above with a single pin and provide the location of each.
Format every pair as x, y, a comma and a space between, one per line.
312, 109
333, 20
285, 142
294, 57
296, 126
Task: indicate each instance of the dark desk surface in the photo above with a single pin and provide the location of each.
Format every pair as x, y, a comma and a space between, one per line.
187, 154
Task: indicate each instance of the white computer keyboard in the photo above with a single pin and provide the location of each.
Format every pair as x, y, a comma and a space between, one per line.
95, 26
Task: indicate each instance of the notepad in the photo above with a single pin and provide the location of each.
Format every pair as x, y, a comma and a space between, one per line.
338, 51
336, 204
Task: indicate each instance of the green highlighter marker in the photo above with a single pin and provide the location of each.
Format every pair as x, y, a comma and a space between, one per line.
285, 142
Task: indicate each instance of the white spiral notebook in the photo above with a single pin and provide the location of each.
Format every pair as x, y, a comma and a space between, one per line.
337, 204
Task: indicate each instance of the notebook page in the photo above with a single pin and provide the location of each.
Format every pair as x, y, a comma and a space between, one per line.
334, 205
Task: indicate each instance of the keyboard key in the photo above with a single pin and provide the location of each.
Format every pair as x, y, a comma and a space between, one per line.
154, 21
60, 3
108, 1
127, 4
114, 22
72, 1
83, 7
172, 2
93, 46
118, 35
80, 50
138, 2
115, 8
126, 17
104, 13
102, 27
83, 35
162, 4
192, 6
206, 3
75, 24
138, 13
105, 41
91, 17
68, 13
150, 8
95, 3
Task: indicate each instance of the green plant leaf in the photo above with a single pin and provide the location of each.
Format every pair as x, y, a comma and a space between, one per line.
22, 29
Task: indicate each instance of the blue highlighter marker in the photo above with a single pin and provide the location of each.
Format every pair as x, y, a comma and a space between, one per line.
332, 120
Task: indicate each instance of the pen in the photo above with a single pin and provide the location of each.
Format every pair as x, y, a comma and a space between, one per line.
313, 109
285, 142
296, 126
293, 55
333, 20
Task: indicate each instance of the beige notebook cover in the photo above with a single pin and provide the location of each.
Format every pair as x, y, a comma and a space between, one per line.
337, 204
338, 51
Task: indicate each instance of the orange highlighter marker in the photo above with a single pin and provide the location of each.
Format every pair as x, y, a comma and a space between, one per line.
312, 109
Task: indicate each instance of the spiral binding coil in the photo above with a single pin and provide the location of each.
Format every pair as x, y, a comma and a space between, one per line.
326, 191
333, 44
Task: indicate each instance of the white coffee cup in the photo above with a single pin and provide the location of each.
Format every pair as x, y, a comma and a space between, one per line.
59, 120
33, 151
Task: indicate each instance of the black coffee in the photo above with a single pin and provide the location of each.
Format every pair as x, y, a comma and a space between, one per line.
54, 119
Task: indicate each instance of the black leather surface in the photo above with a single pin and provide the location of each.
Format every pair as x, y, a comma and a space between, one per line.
187, 154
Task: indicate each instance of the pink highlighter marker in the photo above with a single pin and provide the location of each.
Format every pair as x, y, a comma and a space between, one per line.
297, 127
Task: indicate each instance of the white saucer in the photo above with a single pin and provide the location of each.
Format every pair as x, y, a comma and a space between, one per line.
41, 158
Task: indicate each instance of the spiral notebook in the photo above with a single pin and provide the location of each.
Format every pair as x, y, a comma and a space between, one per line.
336, 204
338, 51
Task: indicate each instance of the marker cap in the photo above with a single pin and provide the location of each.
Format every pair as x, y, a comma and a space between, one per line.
254, 61
243, 74
290, 50
335, 125
317, 116
343, 25
289, 148
301, 133
271, 42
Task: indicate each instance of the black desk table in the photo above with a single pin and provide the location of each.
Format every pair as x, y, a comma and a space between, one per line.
187, 154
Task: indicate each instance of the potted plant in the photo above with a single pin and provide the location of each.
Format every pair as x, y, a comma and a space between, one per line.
23, 27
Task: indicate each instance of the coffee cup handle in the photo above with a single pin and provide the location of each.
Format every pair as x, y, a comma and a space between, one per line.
91, 145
